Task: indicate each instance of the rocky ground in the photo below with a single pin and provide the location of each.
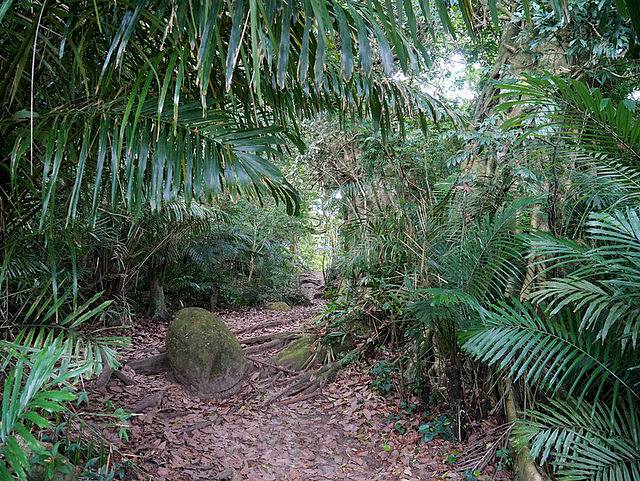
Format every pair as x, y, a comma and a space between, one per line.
343, 431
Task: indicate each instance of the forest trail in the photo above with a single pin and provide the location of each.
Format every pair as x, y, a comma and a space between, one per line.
342, 432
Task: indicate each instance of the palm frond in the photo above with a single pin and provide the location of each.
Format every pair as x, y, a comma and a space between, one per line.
27, 400
550, 351
489, 254
601, 282
121, 116
82, 353
582, 442
602, 134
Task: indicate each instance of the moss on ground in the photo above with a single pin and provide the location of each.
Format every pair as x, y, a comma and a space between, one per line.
278, 306
297, 354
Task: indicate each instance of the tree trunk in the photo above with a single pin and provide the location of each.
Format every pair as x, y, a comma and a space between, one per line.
215, 295
455, 393
524, 466
157, 303
512, 60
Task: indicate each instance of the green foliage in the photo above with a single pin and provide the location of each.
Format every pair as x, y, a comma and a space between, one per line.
249, 257
133, 135
431, 254
593, 131
601, 281
106, 122
613, 40
579, 345
551, 352
439, 428
583, 441
25, 398
50, 350
383, 373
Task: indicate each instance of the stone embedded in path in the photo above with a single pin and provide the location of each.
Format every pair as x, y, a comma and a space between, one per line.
280, 306
297, 354
204, 355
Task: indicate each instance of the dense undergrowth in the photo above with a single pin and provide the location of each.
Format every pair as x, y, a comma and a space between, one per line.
532, 272
478, 228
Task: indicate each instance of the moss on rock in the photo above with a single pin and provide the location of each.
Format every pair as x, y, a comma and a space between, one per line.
203, 354
278, 306
297, 354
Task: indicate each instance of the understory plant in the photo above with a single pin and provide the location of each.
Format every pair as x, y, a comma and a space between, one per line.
576, 337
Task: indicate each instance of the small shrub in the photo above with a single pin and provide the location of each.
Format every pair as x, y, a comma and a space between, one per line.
349, 358
383, 372
504, 458
440, 428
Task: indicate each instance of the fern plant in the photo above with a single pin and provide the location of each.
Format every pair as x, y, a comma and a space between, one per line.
49, 352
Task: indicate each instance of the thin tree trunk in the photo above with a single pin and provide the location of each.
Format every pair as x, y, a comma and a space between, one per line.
157, 302
215, 295
455, 393
511, 61
524, 466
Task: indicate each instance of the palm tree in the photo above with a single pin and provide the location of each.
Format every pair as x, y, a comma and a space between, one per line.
578, 344
125, 104
145, 100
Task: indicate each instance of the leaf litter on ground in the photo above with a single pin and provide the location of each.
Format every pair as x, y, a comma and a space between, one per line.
348, 433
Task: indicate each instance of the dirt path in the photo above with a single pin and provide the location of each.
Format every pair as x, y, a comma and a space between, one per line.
343, 434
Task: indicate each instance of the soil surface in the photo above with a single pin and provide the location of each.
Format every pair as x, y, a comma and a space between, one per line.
345, 431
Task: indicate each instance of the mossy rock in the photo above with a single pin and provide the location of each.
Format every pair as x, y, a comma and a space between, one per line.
297, 354
204, 355
280, 306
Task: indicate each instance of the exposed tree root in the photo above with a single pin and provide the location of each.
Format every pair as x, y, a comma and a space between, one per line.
124, 378
262, 325
275, 378
105, 376
306, 383
287, 336
300, 398
267, 346
270, 365
150, 365
151, 401
296, 385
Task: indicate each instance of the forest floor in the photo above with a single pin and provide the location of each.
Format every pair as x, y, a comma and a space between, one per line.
346, 431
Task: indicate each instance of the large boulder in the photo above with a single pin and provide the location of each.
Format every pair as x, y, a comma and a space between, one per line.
204, 355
